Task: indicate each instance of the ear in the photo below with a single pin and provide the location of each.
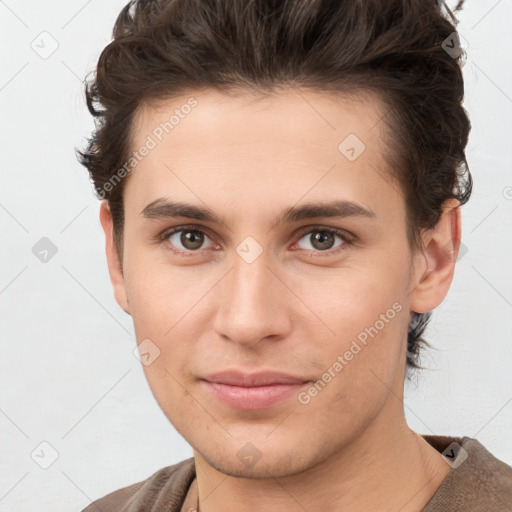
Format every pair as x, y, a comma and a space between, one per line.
113, 260
435, 264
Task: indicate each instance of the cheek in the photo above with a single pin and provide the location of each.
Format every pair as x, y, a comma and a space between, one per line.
367, 313
167, 309
361, 364
158, 296
358, 298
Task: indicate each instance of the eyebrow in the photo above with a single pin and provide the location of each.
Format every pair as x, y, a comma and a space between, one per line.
164, 209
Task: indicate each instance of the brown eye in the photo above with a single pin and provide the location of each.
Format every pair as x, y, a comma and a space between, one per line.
191, 239
187, 239
323, 240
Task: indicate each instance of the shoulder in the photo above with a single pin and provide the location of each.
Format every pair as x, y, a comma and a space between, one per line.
165, 488
478, 481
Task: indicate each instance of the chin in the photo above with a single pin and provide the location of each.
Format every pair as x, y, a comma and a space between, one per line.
259, 459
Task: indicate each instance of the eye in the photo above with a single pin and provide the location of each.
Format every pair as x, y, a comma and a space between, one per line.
186, 239
324, 240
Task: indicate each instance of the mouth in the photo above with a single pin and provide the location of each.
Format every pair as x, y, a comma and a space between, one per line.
252, 391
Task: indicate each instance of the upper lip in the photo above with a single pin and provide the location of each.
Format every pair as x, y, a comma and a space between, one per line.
266, 378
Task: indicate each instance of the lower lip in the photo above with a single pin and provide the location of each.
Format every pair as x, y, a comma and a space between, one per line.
252, 398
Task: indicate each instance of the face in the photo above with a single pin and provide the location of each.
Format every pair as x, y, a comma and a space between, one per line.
255, 277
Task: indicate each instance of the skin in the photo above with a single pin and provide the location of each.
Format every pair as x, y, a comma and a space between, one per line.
293, 309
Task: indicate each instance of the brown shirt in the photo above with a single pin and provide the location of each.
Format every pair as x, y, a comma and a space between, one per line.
481, 483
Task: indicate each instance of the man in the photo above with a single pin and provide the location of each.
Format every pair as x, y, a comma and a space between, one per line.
281, 186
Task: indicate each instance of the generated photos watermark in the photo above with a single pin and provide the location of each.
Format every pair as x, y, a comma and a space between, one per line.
304, 397
152, 141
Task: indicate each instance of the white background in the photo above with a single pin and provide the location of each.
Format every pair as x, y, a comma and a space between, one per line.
68, 373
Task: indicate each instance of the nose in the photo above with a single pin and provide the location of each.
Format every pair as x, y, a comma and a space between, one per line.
253, 304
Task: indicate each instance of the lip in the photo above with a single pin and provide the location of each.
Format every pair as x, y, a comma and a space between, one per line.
252, 391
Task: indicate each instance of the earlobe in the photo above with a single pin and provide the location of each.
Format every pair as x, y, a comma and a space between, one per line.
436, 265
113, 260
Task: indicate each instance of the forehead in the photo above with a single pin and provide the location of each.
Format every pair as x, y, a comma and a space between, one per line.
291, 114
287, 144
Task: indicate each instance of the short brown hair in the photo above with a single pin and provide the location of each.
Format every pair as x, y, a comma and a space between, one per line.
396, 49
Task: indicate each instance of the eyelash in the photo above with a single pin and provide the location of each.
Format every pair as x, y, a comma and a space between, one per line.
346, 237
